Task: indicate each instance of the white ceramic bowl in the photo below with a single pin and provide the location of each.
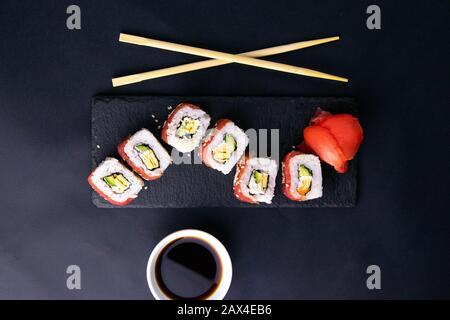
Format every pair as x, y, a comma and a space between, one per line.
227, 269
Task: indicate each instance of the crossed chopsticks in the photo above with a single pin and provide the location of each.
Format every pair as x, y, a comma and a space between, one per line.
221, 58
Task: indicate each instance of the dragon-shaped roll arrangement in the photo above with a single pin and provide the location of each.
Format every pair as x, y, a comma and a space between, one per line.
333, 139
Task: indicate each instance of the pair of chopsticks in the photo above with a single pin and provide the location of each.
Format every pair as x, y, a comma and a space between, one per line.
221, 58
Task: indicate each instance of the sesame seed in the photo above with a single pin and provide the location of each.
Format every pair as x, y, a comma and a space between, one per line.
159, 127
153, 116
98, 146
145, 188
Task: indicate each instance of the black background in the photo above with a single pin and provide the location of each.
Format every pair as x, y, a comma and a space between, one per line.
398, 74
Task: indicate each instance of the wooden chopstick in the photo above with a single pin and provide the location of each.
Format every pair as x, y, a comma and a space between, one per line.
134, 78
227, 57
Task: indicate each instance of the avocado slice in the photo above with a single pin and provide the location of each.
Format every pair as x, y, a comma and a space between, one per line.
303, 171
231, 141
261, 179
110, 181
117, 182
257, 175
142, 147
147, 156
305, 178
121, 180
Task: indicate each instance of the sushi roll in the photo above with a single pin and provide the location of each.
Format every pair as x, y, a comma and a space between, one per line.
185, 127
302, 176
115, 183
224, 146
254, 181
143, 152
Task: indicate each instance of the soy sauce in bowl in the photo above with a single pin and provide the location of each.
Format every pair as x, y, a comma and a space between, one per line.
188, 268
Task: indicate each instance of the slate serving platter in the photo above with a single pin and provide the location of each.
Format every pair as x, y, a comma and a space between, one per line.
189, 185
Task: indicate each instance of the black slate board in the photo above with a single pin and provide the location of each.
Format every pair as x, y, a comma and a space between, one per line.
193, 185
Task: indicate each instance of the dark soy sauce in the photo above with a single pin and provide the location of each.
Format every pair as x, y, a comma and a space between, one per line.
189, 269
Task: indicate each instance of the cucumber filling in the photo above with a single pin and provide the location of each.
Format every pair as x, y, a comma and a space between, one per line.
222, 153
305, 178
117, 182
147, 156
187, 128
258, 182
